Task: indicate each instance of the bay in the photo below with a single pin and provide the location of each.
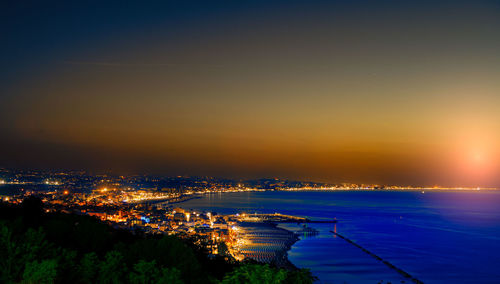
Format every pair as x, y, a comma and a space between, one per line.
436, 236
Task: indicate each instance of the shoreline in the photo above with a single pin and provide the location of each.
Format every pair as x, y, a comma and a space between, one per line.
264, 240
169, 200
266, 243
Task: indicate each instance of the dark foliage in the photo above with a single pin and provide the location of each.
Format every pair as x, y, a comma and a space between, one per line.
67, 248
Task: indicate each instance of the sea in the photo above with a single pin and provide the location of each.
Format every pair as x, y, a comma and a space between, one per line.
435, 236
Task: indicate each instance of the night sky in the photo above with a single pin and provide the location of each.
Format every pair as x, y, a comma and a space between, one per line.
394, 92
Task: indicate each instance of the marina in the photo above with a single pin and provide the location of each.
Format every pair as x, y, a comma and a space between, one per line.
418, 233
263, 242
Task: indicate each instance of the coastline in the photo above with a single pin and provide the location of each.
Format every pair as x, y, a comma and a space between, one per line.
351, 263
266, 243
263, 238
169, 200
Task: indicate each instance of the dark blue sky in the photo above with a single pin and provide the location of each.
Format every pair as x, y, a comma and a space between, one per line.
331, 90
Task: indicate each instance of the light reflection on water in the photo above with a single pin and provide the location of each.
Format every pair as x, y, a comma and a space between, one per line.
438, 237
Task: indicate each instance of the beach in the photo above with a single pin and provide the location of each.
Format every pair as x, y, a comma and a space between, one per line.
418, 233
265, 242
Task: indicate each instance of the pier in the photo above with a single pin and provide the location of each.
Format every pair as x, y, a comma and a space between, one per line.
280, 218
167, 200
387, 263
320, 221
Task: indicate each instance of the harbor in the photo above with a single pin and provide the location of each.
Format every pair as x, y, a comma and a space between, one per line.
258, 237
263, 242
280, 218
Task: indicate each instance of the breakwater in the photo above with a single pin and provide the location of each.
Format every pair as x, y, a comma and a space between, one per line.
170, 200
280, 218
387, 263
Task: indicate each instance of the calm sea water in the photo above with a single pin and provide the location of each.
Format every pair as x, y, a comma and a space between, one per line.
438, 237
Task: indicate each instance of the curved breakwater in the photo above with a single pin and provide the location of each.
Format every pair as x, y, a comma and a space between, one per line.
404, 227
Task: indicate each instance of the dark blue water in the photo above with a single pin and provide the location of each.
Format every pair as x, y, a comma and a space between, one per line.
437, 237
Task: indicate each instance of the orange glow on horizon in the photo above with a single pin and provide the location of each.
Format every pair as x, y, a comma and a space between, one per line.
394, 96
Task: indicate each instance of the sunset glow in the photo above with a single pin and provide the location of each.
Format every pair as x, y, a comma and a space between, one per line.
250, 141
341, 95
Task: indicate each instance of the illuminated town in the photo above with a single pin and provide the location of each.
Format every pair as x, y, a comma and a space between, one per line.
148, 204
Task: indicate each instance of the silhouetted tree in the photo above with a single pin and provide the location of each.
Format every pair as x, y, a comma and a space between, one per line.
66, 248
301, 276
41, 272
18, 252
112, 268
255, 274
169, 276
89, 268
145, 272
